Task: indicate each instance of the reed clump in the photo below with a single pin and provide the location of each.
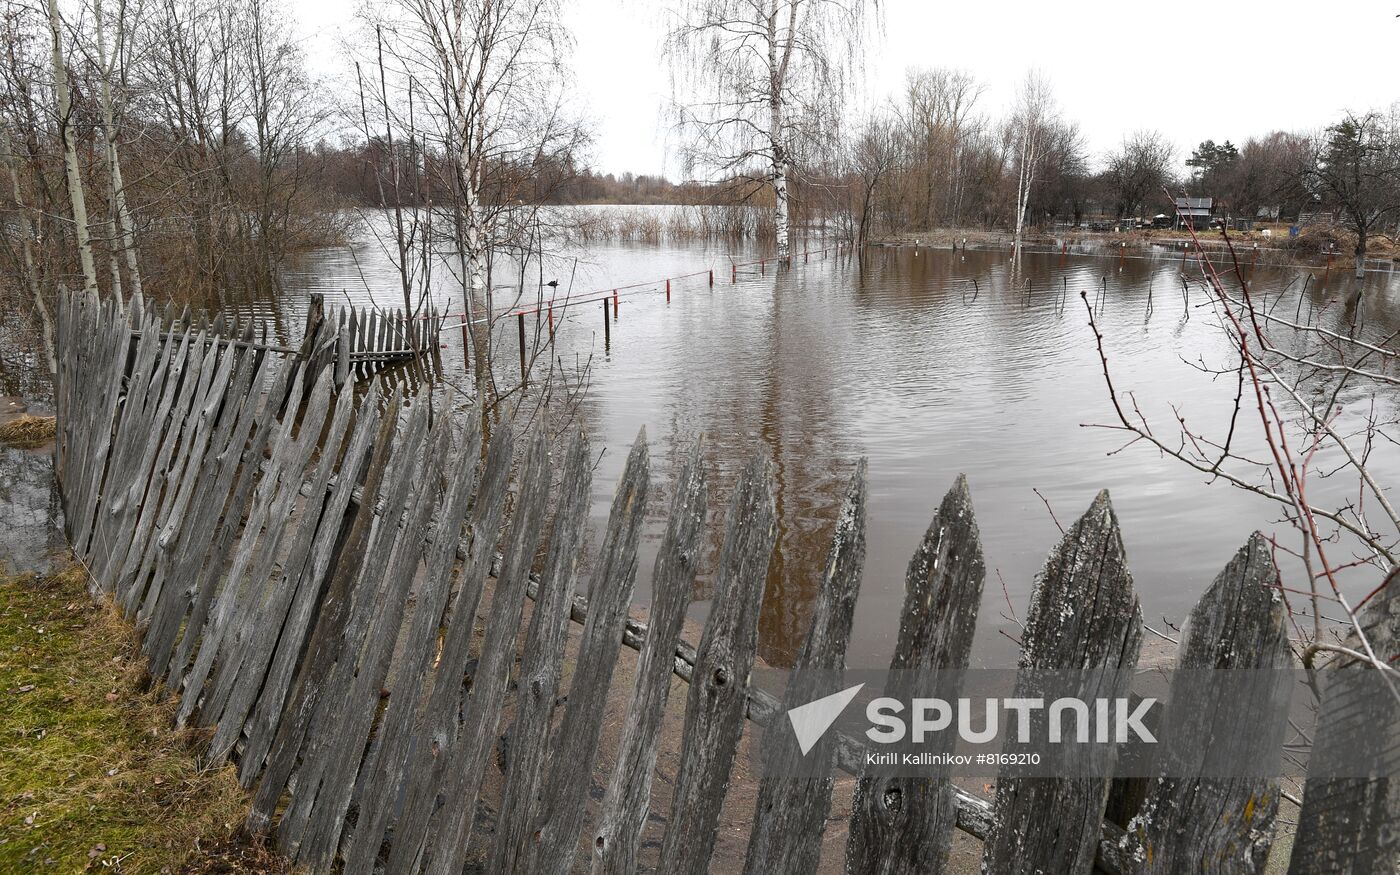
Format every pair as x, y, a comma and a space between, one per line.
28, 432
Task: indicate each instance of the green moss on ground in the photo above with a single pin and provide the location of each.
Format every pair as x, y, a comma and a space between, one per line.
92, 776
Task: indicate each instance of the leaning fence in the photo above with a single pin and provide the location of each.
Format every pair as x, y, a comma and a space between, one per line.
308, 564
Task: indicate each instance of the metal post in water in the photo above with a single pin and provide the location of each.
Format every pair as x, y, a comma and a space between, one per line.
668, 291
614, 303
466, 346
607, 327
520, 323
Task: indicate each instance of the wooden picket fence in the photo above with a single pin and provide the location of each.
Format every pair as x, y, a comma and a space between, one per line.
372, 339
307, 564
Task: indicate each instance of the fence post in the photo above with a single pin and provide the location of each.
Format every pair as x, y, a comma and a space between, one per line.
607, 326
1083, 615
1237, 626
791, 811
520, 324
1348, 824
715, 705
628, 796
905, 823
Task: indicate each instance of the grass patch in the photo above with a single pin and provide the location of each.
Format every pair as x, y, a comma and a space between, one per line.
92, 776
28, 431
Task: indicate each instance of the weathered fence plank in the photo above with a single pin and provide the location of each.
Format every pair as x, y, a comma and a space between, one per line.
628, 796
1352, 824
328, 636
440, 837
564, 806
128, 586
904, 824
714, 714
258, 717
257, 548
541, 663
1222, 825
1083, 615
235, 690
243, 462
127, 508
791, 812
143, 394
155, 565
211, 485
374, 595
353, 705
389, 769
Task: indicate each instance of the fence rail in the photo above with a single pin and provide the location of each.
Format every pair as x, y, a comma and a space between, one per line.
308, 568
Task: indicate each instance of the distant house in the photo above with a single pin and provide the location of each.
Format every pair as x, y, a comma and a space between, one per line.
1198, 211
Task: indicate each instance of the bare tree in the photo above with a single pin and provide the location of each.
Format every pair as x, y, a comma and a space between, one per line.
875, 154
1356, 167
478, 90
759, 83
938, 118
109, 68
72, 171
1138, 169
1031, 126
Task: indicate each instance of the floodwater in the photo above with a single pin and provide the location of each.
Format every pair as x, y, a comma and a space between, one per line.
929, 363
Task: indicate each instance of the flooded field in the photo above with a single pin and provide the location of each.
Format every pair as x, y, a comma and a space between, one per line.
929, 362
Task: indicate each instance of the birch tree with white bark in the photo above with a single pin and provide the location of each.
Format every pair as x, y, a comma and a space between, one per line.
1032, 124
482, 85
63, 101
759, 84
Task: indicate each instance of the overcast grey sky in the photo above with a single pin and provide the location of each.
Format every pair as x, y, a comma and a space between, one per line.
1223, 70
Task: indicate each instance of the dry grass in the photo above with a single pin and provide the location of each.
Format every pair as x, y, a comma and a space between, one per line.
27, 431
92, 776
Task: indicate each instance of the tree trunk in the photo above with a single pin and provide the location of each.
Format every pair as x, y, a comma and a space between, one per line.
1360, 252
781, 226
70, 152
776, 73
125, 236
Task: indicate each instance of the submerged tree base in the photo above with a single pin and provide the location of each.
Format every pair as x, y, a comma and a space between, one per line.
93, 775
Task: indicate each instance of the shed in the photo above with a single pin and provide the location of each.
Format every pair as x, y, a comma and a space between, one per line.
1195, 210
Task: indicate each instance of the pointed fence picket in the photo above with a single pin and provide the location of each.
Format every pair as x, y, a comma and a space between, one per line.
296, 552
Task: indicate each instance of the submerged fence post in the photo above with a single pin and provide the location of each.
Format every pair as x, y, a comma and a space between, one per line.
607, 326
466, 346
668, 291
520, 323
614, 304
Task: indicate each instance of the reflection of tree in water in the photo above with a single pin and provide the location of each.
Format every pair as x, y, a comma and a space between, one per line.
778, 396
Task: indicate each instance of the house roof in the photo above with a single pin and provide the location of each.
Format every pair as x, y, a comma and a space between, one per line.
1195, 203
